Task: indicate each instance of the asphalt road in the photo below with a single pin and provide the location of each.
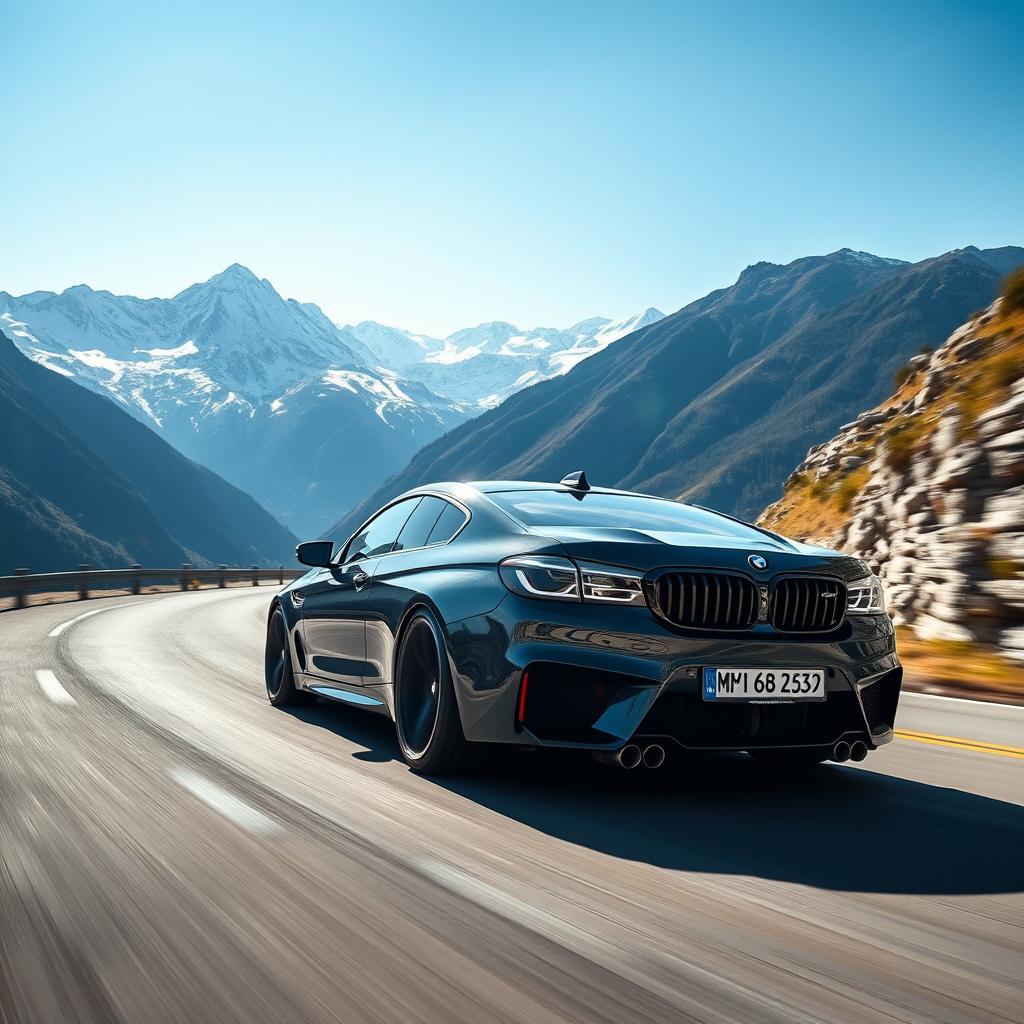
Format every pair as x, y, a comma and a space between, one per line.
174, 849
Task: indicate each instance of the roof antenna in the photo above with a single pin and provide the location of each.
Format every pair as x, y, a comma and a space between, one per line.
576, 481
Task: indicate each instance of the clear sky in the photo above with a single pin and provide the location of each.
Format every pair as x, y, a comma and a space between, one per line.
434, 165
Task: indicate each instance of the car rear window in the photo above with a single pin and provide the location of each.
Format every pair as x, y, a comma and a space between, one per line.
417, 528
448, 525
625, 511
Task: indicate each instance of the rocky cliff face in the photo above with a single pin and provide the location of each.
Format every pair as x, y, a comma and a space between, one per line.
928, 487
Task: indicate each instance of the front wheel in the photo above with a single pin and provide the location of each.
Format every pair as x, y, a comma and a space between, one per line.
426, 712
277, 664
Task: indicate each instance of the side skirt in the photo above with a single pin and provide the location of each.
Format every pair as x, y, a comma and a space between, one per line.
366, 698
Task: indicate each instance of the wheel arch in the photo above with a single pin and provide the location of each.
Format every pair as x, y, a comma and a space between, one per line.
421, 602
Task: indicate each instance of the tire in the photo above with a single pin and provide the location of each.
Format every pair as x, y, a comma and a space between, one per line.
800, 758
277, 666
426, 712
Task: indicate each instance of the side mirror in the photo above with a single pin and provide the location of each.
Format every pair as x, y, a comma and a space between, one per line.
316, 553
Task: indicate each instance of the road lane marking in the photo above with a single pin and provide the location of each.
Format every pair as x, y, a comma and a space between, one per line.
57, 630
973, 701
958, 743
238, 811
50, 685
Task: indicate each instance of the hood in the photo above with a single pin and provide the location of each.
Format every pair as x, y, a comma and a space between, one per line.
654, 549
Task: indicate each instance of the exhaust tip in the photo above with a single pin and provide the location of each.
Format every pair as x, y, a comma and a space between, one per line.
654, 756
630, 755
841, 751
858, 751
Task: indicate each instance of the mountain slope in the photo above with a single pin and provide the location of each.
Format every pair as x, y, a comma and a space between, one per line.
718, 400
243, 381
38, 535
738, 440
82, 481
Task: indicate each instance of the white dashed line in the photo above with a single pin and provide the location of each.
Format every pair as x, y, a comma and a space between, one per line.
50, 685
238, 811
57, 630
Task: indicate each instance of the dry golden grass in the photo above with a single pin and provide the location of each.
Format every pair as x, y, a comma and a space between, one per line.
959, 666
907, 437
809, 510
849, 487
986, 383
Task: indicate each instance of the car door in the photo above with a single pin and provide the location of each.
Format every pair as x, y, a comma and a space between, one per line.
399, 575
334, 605
383, 615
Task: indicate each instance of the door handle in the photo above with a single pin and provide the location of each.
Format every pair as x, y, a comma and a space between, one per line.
359, 579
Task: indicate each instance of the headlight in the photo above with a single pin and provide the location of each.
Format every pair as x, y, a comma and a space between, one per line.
865, 597
541, 576
611, 585
559, 578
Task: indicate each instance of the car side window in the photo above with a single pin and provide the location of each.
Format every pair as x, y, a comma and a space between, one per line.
448, 524
418, 526
380, 534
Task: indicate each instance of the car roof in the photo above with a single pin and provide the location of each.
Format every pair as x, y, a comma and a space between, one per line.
495, 486
463, 489
459, 488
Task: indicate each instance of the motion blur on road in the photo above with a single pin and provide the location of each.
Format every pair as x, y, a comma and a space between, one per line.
174, 849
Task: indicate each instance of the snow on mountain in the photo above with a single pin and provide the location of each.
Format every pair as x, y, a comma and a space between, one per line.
483, 365
870, 259
234, 329
391, 346
601, 338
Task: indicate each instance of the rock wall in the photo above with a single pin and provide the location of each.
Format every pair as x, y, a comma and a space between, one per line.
941, 512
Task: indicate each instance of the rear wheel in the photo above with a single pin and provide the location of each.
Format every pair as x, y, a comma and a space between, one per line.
426, 712
277, 663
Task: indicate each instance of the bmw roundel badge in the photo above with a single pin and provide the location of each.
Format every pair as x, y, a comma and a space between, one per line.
758, 562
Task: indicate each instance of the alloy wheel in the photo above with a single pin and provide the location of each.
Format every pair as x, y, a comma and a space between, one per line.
276, 661
420, 682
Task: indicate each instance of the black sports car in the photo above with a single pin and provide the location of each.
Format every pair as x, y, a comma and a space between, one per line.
565, 615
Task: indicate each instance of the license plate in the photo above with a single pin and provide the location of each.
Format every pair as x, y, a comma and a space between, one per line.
767, 684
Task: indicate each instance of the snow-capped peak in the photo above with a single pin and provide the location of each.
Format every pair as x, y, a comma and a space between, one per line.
610, 331
870, 259
620, 328
484, 364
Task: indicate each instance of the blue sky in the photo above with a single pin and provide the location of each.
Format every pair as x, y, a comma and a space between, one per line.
436, 165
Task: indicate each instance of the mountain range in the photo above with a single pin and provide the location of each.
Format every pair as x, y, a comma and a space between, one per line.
717, 402
81, 481
481, 366
306, 415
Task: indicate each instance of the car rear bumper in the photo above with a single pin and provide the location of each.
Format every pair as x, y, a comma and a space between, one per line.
593, 684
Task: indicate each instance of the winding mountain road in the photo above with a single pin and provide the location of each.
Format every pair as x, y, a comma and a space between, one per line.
174, 849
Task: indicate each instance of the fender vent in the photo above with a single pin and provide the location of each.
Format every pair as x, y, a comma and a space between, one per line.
300, 651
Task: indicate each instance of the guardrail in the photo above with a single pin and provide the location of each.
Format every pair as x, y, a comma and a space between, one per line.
23, 582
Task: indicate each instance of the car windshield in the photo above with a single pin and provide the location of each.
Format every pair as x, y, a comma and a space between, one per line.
622, 511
